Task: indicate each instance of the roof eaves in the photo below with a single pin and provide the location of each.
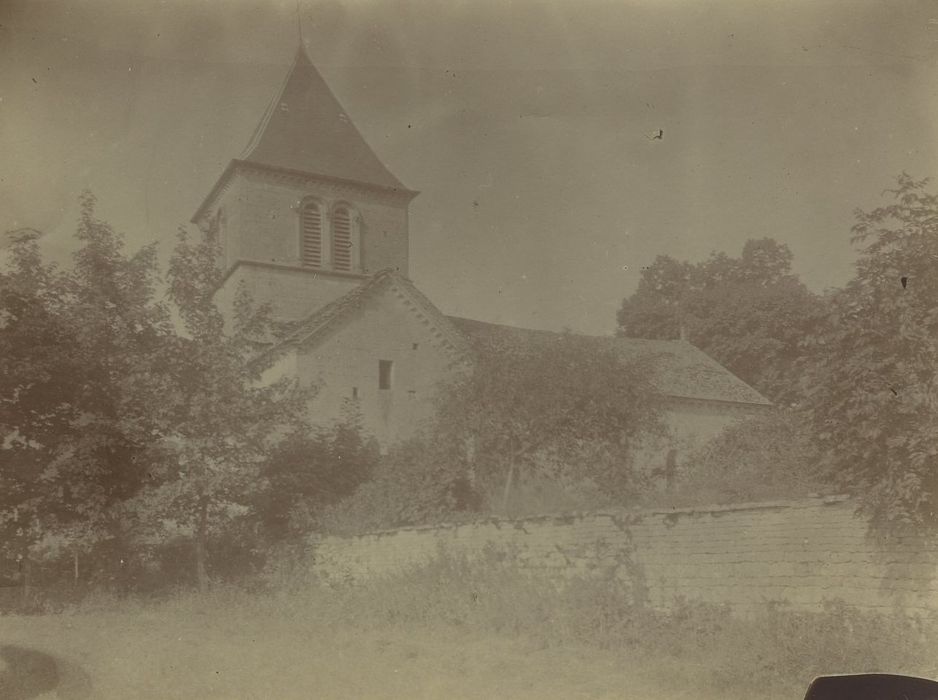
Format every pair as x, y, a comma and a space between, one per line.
730, 391
764, 403
307, 174
216, 188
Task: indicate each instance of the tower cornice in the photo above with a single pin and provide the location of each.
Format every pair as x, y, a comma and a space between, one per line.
398, 194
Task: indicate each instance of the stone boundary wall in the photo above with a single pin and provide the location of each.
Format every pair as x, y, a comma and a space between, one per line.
800, 552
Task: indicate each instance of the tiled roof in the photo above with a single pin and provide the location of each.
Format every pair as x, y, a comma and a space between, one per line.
306, 129
683, 371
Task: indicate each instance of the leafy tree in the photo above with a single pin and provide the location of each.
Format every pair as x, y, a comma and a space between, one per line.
873, 385
758, 332
561, 404
749, 313
36, 377
216, 423
69, 343
420, 480
310, 470
657, 308
551, 407
769, 456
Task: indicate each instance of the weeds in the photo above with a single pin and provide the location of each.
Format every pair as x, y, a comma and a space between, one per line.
773, 653
776, 649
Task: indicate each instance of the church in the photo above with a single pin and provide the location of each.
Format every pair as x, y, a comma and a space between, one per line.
312, 222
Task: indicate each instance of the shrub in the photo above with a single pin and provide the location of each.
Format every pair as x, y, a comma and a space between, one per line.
417, 482
311, 471
765, 457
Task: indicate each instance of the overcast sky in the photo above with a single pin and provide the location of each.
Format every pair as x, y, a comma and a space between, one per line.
525, 125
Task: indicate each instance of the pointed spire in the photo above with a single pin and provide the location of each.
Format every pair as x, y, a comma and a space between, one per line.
299, 24
305, 128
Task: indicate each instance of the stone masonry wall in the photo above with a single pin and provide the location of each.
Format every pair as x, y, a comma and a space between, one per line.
802, 552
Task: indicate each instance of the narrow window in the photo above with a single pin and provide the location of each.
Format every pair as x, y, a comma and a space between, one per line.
342, 239
311, 235
414, 346
355, 392
384, 374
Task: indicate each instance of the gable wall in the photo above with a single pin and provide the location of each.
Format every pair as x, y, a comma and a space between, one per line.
690, 424
384, 329
697, 422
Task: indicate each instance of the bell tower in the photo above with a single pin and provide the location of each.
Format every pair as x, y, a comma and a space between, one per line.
308, 211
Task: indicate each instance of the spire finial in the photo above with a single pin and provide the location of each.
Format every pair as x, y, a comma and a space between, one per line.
299, 24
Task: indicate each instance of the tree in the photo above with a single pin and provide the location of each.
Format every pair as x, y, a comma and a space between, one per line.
765, 457
873, 384
113, 424
657, 308
560, 404
37, 376
758, 332
70, 341
749, 313
310, 470
553, 406
215, 422
420, 480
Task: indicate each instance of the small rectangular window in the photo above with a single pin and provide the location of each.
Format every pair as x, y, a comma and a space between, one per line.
384, 374
354, 392
414, 346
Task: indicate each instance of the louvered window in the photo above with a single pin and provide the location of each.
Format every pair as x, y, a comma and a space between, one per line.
311, 225
342, 239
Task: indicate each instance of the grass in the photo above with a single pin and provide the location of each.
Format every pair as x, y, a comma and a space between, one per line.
449, 630
239, 646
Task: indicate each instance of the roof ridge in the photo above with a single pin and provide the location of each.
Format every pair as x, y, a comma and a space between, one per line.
265, 119
570, 332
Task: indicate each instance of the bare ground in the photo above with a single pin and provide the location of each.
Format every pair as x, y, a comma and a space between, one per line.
210, 652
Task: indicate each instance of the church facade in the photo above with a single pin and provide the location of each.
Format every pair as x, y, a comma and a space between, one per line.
311, 222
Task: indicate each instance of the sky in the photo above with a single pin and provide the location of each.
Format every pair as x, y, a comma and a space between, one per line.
526, 126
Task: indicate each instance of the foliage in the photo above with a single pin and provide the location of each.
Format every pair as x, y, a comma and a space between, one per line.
774, 649
120, 433
873, 382
310, 470
749, 313
768, 456
569, 410
460, 630
567, 406
70, 343
418, 481
215, 422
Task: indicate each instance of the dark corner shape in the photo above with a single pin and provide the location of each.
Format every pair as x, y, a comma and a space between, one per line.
872, 686
27, 673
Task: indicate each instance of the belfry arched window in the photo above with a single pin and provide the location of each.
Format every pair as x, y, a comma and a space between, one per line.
311, 234
343, 239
